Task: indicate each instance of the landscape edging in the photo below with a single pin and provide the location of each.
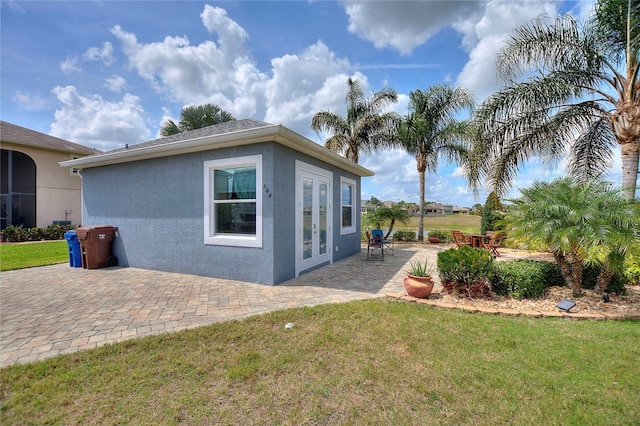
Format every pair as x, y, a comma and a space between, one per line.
594, 316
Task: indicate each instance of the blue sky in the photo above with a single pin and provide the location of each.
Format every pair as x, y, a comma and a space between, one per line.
107, 73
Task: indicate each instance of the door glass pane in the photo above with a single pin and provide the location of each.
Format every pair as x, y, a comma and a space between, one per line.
323, 218
307, 218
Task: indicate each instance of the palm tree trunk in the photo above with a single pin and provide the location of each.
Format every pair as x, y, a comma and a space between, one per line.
568, 270
391, 224
626, 126
604, 278
421, 207
576, 273
630, 162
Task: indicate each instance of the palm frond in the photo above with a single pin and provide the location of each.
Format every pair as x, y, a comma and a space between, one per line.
592, 151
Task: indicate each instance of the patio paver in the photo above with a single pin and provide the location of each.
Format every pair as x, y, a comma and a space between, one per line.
52, 310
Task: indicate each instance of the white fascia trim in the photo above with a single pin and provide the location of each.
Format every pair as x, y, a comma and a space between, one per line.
273, 133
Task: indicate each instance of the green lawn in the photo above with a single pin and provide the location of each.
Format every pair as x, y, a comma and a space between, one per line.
18, 256
462, 222
368, 362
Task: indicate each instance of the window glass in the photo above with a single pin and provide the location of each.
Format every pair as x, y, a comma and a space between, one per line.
235, 183
346, 216
233, 209
347, 205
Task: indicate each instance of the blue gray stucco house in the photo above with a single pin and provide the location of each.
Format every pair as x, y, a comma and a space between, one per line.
243, 200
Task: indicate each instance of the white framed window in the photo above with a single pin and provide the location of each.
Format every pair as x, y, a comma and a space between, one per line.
233, 201
347, 206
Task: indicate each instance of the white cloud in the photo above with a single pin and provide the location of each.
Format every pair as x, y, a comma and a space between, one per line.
223, 74
70, 65
116, 83
30, 101
104, 54
92, 121
404, 25
304, 84
484, 37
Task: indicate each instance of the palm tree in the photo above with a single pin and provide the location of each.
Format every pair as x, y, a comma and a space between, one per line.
572, 90
578, 222
365, 128
391, 215
431, 130
196, 117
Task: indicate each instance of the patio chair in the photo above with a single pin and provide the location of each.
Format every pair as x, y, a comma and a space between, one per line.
494, 243
460, 239
375, 248
389, 246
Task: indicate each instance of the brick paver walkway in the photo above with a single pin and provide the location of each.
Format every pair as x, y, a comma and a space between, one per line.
56, 309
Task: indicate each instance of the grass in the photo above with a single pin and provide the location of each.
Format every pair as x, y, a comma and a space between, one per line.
27, 255
462, 222
367, 362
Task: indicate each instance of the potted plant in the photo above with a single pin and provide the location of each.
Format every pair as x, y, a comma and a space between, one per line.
419, 283
434, 236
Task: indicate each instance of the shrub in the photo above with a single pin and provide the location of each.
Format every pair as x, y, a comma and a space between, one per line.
35, 234
404, 235
525, 279
465, 271
18, 234
444, 237
590, 278
56, 232
632, 264
15, 234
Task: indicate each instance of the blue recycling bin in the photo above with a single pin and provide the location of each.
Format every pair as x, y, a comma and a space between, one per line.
75, 251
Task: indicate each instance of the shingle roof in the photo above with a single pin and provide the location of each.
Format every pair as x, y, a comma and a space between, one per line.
216, 129
23, 136
219, 136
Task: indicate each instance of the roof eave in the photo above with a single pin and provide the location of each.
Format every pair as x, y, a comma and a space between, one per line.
273, 133
68, 150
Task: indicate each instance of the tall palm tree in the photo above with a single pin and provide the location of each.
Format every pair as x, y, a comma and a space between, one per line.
366, 127
573, 90
588, 222
431, 130
196, 117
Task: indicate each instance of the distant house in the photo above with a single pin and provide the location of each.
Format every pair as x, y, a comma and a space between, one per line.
35, 190
443, 209
243, 200
366, 206
460, 210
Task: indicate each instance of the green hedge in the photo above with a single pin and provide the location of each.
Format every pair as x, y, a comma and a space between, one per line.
528, 279
525, 279
443, 236
404, 235
18, 234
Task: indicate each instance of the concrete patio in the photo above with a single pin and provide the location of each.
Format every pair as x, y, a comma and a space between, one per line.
52, 310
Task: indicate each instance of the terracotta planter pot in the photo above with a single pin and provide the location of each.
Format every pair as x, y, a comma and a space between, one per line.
419, 287
434, 240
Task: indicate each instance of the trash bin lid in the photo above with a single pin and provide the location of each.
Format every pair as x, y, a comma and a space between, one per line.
70, 235
82, 232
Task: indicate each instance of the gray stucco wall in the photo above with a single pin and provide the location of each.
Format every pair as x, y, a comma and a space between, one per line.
284, 209
157, 205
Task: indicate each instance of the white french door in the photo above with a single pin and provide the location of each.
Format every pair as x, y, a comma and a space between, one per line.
314, 218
